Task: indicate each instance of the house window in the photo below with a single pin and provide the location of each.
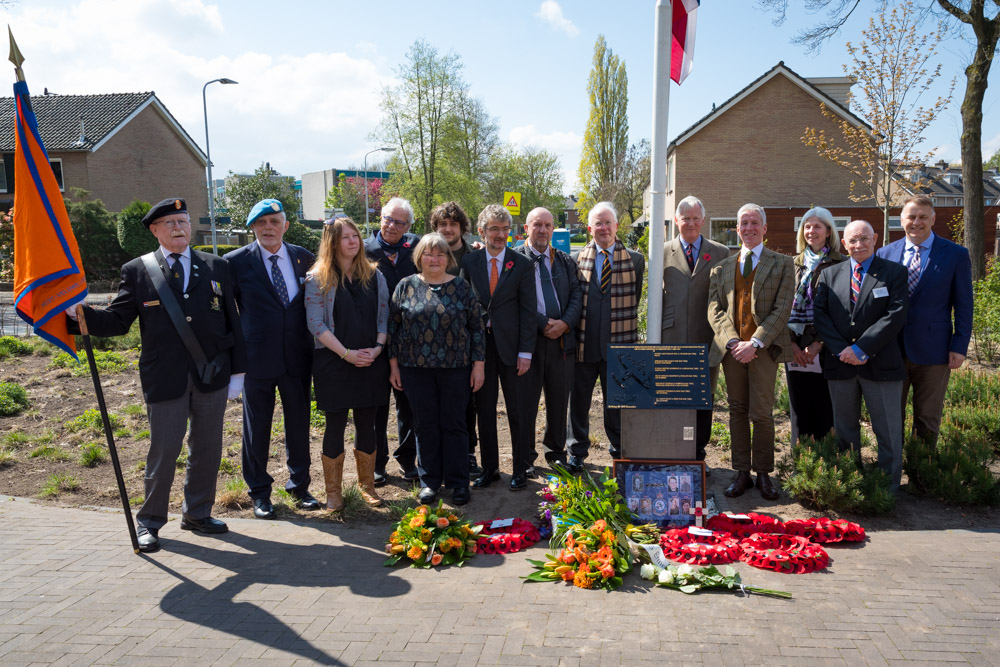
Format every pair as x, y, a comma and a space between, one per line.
839, 221
3, 176
57, 169
723, 230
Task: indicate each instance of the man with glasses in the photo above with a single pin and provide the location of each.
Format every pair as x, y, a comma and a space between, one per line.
183, 298
860, 308
392, 247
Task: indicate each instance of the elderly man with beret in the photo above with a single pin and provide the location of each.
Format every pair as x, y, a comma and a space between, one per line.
268, 290
192, 352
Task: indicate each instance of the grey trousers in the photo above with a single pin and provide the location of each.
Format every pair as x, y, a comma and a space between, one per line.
883, 400
168, 423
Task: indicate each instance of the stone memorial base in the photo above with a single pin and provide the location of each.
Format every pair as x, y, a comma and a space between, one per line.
658, 434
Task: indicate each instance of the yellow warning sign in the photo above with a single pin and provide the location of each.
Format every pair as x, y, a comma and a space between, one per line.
512, 202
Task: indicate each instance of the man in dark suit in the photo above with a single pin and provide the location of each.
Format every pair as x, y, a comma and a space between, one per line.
269, 277
859, 309
559, 302
177, 388
503, 281
392, 247
611, 282
938, 327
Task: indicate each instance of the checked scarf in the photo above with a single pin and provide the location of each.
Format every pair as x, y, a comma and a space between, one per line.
624, 293
802, 303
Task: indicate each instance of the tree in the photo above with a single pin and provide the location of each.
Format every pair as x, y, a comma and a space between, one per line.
533, 172
242, 192
96, 235
993, 162
634, 179
133, 236
605, 139
892, 65
349, 195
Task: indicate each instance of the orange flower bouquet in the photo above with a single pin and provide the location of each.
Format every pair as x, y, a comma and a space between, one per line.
431, 536
593, 557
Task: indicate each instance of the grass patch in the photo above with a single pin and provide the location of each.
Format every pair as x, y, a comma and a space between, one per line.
13, 399
182, 460
92, 455
134, 410
107, 362
14, 439
233, 494
142, 435
228, 466
7, 457
46, 437
91, 421
49, 453
136, 501
317, 418
399, 508
720, 435
14, 347
57, 484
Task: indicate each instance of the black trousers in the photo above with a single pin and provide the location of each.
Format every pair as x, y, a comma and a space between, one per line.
585, 376
406, 448
809, 404
258, 413
551, 374
439, 397
488, 397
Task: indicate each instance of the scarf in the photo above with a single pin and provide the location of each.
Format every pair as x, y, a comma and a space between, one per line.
390, 247
802, 303
624, 293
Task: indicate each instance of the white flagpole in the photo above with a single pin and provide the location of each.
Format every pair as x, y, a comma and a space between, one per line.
658, 167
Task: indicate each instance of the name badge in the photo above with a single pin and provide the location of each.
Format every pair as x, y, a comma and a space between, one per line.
880, 292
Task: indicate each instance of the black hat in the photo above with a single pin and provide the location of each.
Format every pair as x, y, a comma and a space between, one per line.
165, 207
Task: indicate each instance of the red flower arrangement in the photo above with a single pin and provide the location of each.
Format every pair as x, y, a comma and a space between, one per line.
824, 531
745, 525
792, 554
700, 547
509, 539
509, 265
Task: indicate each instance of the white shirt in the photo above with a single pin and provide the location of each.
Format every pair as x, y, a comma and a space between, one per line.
755, 251
285, 265
539, 294
925, 251
185, 261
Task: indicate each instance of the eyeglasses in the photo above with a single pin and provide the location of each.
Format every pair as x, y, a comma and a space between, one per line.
498, 230
396, 223
170, 224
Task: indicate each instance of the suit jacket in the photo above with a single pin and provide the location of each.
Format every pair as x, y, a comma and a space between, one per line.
210, 310
945, 288
566, 279
276, 336
511, 309
404, 265
873, 325
770, 303
685, 293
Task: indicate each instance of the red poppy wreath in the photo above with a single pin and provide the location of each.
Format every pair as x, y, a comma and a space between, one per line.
822, 530
745, 525
509, 539
700, 547
791, 554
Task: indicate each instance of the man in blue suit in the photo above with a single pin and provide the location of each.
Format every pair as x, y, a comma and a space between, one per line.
936, 336
269, 277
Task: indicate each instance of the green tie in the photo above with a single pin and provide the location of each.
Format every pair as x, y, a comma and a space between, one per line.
748, 266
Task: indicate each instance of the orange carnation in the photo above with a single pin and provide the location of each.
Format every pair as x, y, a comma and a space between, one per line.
442, 522
417, 521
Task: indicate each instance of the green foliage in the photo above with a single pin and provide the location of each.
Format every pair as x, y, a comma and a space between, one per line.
956, 469
182, 459
92, 454
7, 245
96, 234
7, 457
781, 402
299, 234
534, 172
56, 484
986, 313
49, 453
14, 439
13, 399
821, 477
106, 360
970, 405
228, 467
133, 236
221, 247
720, 435
644, 243
90, 421
993, 162
130, 341
579, 238
317, 419
242, 192
13, 347
349, 195
134, 410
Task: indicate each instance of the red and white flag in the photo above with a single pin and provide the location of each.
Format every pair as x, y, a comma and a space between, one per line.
685, 17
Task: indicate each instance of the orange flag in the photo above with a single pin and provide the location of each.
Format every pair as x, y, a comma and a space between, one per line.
48, 273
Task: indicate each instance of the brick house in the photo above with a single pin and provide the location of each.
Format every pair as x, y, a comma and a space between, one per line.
121, 147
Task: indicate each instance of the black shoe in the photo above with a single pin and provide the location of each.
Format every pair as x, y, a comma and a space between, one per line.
427, 495
409, 473
487, 478
461, 496
305, 501
574, 464
263, 509
559, 462
381, 477
474, 469
530, 473
149, 540
207, 525
518, 482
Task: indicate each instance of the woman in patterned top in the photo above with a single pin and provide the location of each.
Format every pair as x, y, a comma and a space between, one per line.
436, 355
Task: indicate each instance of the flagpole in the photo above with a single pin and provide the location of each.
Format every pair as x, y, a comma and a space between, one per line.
81, 320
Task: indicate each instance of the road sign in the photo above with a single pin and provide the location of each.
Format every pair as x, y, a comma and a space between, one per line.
512, 202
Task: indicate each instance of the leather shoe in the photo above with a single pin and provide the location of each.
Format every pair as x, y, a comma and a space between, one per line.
207, 525
574, 464
427, 495
742, 482
305, 501
461, 496
767, 489
531, 473
518, 481
381, 477
474, 469
487, 478
263, 509
409, 473
149, 540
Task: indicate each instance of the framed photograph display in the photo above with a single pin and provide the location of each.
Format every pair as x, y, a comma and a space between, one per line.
662, 492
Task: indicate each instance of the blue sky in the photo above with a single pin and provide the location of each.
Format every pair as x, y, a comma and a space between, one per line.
311, 72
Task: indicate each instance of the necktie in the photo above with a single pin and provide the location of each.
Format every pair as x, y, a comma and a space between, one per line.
494, 276
913, 270
279, 280
549, 294
605, 272
689, 253
855, 285
391, 256
177, 272
748, 266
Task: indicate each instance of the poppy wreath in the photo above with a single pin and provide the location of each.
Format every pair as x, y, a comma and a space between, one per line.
791, 554
507, 540
822, 530
718, 548
757, 523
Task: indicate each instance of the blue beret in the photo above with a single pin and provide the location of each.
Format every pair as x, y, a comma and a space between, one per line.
164, 208
264, 207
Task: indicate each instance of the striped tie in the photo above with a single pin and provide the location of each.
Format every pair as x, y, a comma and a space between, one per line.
605, 272
855, 285
913, 270
689, 254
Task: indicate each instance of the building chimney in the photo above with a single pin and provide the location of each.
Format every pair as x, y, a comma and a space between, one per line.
942, 165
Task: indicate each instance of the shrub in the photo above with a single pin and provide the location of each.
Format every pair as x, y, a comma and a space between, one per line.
223, 248
106, 360
92, 454
91, 421
14, 347
956, 469
720, 435
986, 313
13, 399
133, 236
316, 417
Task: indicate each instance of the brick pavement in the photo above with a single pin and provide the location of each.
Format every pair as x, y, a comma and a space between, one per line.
73, 593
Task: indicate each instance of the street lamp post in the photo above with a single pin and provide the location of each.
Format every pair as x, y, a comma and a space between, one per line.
208, 154
386, 149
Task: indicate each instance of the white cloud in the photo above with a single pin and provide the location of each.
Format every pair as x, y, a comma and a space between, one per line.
552, 13
566, 145
991, 146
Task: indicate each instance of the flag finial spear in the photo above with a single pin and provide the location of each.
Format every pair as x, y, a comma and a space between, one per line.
15, 56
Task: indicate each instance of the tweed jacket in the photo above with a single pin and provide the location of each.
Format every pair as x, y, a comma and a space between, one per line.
685, 293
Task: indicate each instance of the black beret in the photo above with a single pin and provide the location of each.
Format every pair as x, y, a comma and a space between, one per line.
164, 208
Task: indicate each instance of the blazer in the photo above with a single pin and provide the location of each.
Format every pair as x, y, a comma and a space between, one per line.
873, 325
770, 303
944, 289
210, 309
566, 279
511, 310
277, 340
685, 293
404, 265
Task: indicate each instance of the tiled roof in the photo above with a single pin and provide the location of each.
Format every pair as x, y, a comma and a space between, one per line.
936, 183
59, 118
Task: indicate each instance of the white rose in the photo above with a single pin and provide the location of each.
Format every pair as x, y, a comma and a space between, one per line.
666, 577
685, 570
647, 571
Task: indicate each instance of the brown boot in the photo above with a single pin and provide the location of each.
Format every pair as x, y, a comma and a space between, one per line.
333, 474
366, 477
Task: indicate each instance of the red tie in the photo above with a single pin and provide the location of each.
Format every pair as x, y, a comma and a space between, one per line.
494, 276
